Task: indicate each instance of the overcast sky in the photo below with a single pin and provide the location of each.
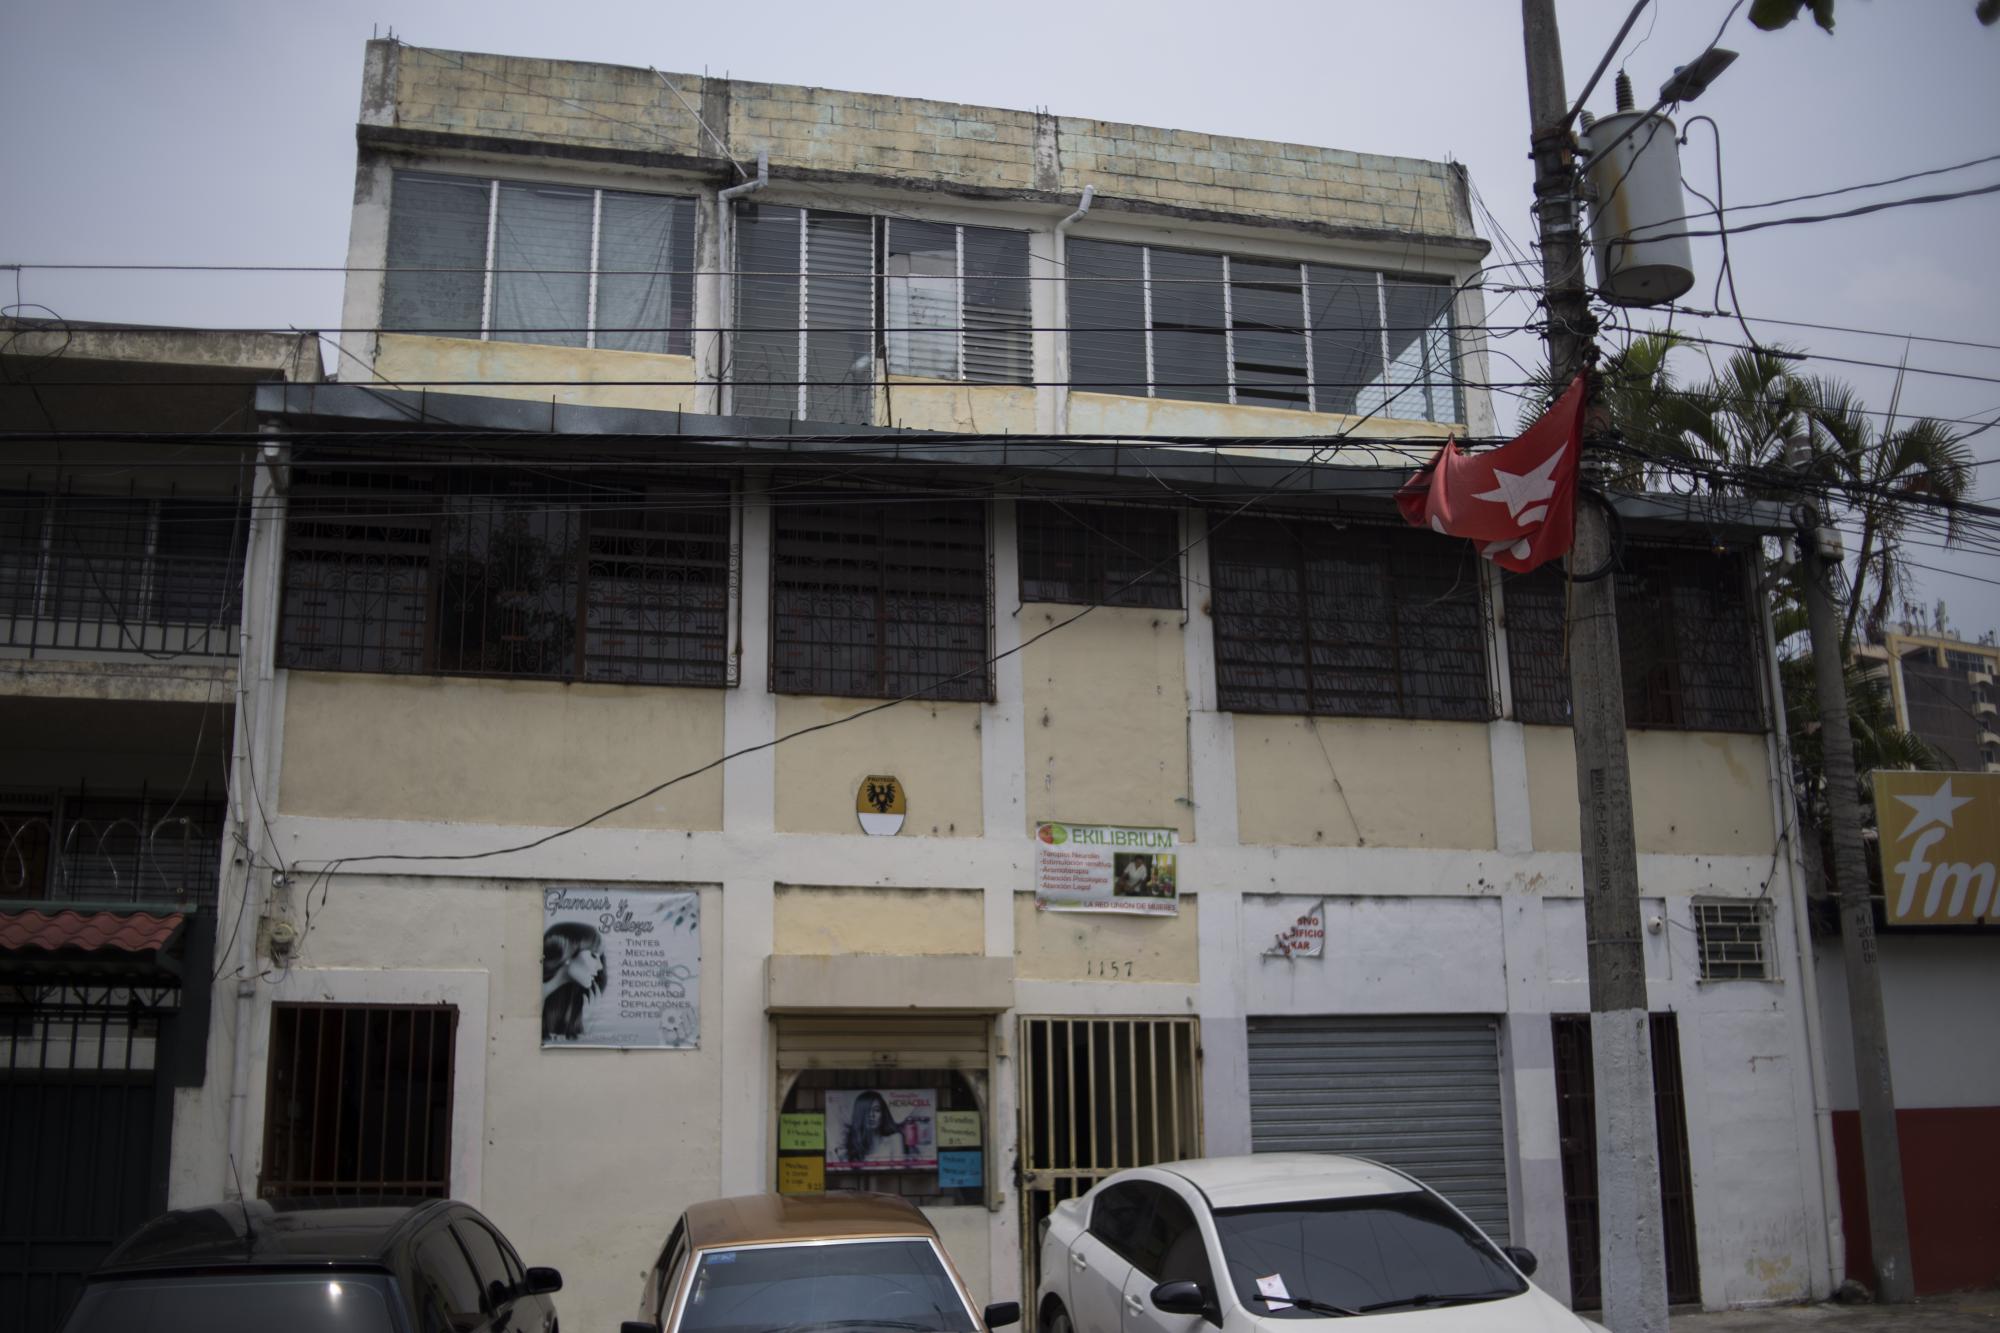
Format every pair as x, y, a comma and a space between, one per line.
206, 131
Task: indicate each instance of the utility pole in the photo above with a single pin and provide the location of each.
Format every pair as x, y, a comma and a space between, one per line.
1630, 1249
1881, 1154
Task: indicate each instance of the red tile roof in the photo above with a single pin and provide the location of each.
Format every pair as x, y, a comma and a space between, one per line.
91, 932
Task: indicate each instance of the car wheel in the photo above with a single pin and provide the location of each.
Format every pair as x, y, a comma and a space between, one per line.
1058, 1321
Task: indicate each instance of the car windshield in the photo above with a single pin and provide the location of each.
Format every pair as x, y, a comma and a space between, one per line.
289, 1301
1376, 1252
869, 1284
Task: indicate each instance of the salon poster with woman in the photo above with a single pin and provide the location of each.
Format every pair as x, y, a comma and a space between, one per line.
882, 1129
621, 967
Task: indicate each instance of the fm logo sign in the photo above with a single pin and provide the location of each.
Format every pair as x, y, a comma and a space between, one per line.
1940, 846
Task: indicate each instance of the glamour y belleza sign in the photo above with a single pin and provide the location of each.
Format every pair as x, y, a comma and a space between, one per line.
1940, 846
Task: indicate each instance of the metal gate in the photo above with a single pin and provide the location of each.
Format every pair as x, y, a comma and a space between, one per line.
1419, 1094
1576, 1121
1099, 1095
82, 1130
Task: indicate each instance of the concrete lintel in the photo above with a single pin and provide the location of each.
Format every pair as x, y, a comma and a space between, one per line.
966, 983
99, 678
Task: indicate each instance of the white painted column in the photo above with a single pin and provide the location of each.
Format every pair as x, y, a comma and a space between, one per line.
1048, 308
1003, 790
711, 302
749, 787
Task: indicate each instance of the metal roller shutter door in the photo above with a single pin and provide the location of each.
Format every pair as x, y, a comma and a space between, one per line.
1420, 1094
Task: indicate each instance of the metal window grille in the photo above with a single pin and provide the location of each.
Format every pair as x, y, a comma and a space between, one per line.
509, 572
516, 261
1112, 555
1735, 940
1308, 337
360, 1100
88, 847
161, 576
1686, 643
881, 600
1313, 617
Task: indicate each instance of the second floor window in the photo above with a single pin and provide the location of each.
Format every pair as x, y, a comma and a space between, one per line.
1212, 328
825, 301
880, 597
1686, 642
517, 261
507, 573
1112, 555
1347, 620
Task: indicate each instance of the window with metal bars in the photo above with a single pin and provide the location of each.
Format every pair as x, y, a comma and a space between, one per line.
880, 597
161, 575
1216, 328
814, 289
955, 1094
508, 572
518, 261
1108, 555
359, 1100
1341, 619
1734, 938
88, 846
1686, 642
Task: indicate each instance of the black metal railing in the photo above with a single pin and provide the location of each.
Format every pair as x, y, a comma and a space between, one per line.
152, 850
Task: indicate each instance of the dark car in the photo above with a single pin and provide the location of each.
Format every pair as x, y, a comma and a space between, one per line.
432, 1266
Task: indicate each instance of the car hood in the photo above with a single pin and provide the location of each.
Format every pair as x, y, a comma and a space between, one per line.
1533, 1311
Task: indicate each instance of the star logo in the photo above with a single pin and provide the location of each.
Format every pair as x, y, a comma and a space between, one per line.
1525, 490
1933, 809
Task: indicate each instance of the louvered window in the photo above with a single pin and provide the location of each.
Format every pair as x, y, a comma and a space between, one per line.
951, 304
1220, 329
1347, 620
1686, 642
880, 597
516, 573
559, 265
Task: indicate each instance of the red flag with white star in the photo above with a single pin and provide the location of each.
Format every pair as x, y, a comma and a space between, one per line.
1518, 501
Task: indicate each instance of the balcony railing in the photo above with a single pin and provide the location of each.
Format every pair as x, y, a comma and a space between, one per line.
159, 577
151, 849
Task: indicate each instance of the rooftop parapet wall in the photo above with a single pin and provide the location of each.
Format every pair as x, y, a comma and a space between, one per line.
822, 133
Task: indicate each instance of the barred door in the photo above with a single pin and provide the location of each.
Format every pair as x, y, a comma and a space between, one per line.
1099, 1095
81, 1125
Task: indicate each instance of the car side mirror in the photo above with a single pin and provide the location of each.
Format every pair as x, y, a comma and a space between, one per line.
1524, 1259
542, 1281
1183, 1297
1002, 1313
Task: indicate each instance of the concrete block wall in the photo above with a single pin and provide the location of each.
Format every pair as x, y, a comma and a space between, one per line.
908, 142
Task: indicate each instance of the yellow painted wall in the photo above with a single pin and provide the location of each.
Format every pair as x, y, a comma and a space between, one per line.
1101, 946
1692, 791
497, 751
577, 376
933, 748
1106, 705
1399, 784
1122, 414
924, 404
812, 920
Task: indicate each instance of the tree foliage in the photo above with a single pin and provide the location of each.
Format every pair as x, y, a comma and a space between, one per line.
1771, 15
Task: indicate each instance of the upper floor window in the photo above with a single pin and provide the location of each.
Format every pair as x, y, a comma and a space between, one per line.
517, 261
1339, 619
880, 597
1213, 328
1109, 555
1686, 642
507, 573
823, 298
121, 573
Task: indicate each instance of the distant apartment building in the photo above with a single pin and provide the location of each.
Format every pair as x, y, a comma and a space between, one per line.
1944, 692
682, 418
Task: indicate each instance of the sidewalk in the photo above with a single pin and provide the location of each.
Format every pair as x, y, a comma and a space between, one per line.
1963, 1312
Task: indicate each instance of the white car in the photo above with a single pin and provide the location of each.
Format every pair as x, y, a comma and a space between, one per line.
1252, 1244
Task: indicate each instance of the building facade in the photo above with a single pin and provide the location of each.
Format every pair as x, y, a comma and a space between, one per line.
977, 481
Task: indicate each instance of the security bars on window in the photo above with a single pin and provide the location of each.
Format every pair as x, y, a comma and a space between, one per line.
812, 322
1686, 642
1213, 328
1113, 555
1336, 619
515, 261
1734, 939
881, 600
508, 573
